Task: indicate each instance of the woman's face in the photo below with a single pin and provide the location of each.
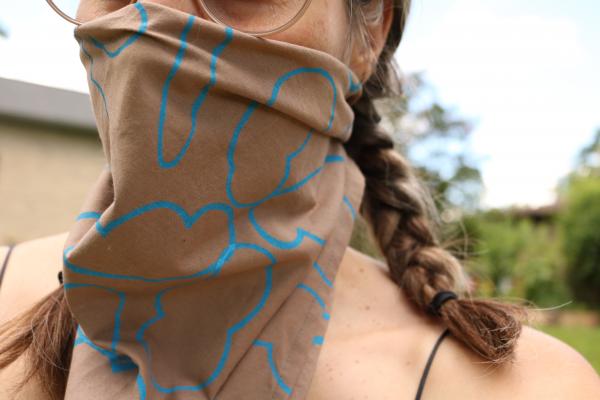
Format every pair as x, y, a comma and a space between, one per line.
323, 27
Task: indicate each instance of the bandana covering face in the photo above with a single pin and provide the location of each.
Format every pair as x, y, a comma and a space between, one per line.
203, 260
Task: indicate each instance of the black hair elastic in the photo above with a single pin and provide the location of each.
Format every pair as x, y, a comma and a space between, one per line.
440, 297
60, 277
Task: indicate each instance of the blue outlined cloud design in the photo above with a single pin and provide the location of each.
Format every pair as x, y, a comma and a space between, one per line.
350, 207
92, 78
197, 102
353, 87
246, 117
316, 296
280, 189
322, 274
160, 314
318, 340
188, 219
119, 362
131, 39
269, 347
112, 54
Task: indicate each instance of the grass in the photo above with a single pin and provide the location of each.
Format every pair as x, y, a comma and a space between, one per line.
585, 340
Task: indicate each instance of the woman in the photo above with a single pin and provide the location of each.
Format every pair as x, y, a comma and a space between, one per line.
379, 337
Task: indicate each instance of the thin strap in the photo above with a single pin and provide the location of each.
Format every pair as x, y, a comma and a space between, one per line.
5, 263
429, 361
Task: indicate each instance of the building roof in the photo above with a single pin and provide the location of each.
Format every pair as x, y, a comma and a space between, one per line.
537, 214
40, 103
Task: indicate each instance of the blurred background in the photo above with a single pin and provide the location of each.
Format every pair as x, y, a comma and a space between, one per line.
500, 118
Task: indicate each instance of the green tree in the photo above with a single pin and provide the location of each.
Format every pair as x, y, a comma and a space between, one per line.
579, 220
589, 158
587, 165
434, 139
512, 256
580, 228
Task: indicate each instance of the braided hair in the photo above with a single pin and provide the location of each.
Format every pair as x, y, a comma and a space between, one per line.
402, 217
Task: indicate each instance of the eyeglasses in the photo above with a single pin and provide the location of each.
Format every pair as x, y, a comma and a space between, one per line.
254, 17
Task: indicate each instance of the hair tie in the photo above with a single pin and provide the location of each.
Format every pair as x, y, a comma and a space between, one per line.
60, 277
440, 297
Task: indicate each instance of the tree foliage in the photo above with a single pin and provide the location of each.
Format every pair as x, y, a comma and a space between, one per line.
3, 31
580, 227
579, 221
515, 257
434, 139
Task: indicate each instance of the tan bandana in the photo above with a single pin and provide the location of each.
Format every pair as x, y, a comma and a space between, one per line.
203, 260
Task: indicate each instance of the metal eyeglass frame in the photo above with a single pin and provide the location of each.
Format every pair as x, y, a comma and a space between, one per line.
207, 10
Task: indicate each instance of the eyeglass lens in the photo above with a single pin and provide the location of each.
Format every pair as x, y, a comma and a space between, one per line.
252, 16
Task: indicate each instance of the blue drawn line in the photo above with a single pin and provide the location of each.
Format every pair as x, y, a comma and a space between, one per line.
302, 70
313, 293
322, 273
117, 362
300, 235
287, 169
88, 215
269, 347
141, 386
197, 102
141, 30
166, 87
211, 270
318, 340
316, 296
352, 210
279, 190
353, 87
189, 221
230, 331
333, 158
330, 159
252, 106
91, 77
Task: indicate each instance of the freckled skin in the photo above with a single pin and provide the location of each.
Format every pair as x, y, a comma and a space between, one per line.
324, 26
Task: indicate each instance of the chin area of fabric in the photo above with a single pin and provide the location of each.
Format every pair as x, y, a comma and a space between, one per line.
202, 262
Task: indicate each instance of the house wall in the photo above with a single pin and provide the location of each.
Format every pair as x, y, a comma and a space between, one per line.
45, 172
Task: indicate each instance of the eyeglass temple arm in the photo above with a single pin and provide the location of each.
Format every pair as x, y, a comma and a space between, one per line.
68, 18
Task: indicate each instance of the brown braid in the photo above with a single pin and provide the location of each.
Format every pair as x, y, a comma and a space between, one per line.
402, 218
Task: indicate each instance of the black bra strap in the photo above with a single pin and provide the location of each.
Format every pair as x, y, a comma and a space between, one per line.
5, 263
429, 361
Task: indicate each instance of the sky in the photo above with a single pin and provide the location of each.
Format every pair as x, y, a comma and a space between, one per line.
524, 72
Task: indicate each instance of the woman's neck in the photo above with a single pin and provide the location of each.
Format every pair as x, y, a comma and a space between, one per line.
365, 299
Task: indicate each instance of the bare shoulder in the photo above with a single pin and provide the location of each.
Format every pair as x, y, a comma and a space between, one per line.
31, 273
556, 366
377, 346
543, 367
